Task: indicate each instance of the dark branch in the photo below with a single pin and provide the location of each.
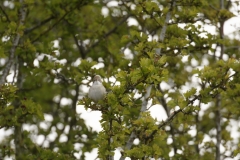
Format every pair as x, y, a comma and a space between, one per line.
51, 27
64, 78
80, 47
28, 30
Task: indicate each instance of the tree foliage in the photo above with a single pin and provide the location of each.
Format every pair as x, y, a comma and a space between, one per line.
149, 52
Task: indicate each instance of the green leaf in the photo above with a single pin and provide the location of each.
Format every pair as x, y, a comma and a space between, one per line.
145, 64
190, 93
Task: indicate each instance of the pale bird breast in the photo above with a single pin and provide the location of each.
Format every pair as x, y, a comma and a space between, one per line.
97, 92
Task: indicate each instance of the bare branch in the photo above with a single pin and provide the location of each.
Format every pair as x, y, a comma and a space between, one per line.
221, 4
145, 99
164, 28
129, 143
15, 43
64, 78
163, 101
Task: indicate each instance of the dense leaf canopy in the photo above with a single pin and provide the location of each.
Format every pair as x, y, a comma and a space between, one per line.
149, 52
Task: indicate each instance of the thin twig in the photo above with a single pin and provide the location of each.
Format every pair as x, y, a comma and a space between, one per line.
1, 7
109, 32
164, 123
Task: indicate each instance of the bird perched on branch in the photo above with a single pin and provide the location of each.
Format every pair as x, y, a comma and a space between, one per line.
97, 91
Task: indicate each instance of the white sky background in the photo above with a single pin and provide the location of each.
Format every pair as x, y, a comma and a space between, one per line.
92, 118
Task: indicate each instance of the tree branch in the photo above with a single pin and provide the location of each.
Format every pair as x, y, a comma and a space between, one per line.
73, 120
15, 43
218, 127
143, 109
164, 29
18, 135
1, 7
145, 99
163, 101
218, 98
172, 130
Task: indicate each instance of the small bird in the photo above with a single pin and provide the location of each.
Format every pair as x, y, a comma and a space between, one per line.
97, 91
